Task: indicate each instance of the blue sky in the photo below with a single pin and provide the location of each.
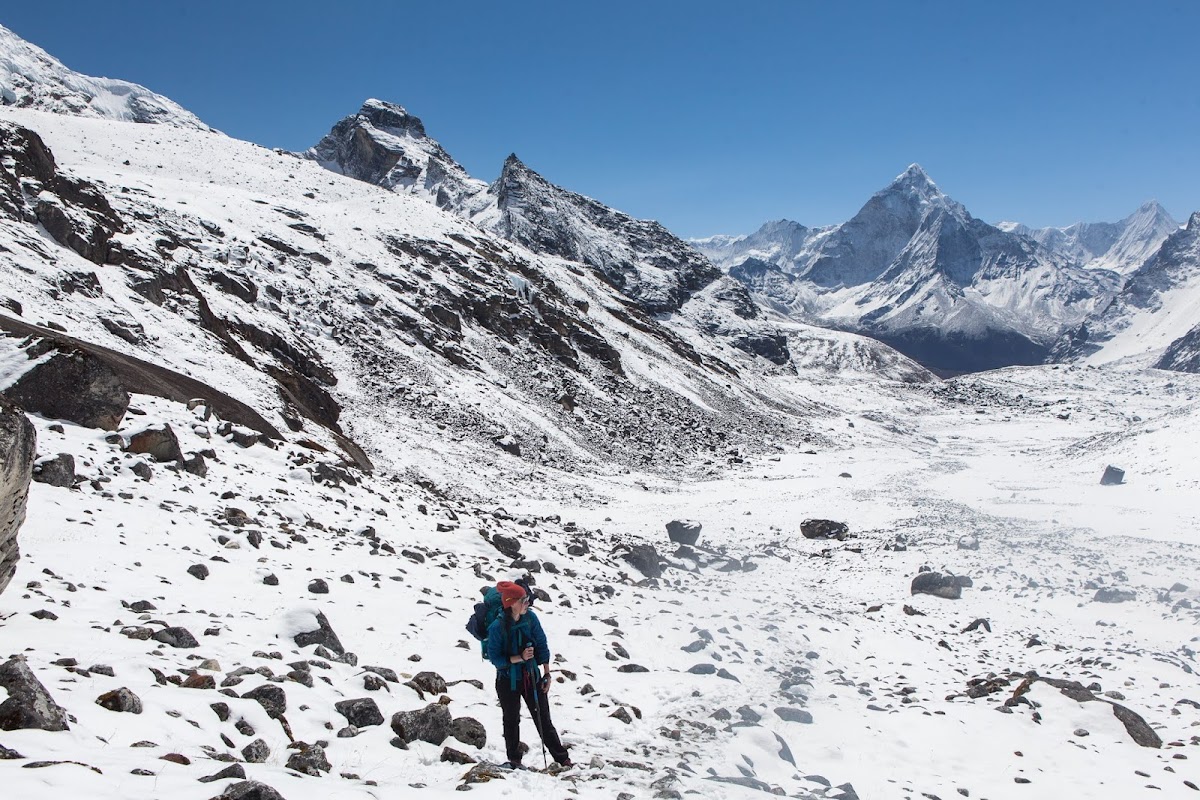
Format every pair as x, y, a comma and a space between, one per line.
710, 117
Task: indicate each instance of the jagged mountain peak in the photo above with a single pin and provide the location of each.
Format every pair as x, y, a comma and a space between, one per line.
1193, 223
32, 78
385, 145
392, 117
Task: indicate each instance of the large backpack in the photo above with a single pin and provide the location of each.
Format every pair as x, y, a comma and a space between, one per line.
485, 614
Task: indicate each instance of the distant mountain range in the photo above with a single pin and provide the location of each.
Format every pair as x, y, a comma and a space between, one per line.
912, 269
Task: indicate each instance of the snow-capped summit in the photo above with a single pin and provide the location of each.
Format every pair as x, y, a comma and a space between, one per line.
385, 145
860, 250
914, 269
1152, 322
32, 78
1118, 246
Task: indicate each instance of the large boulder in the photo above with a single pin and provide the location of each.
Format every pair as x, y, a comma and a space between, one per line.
361, 712
684, 531
70, 384
56, 470
29, 705
824, 529
17, 447
1113, 476
249, 790
158, 442
645, 559
938, 585
432, 724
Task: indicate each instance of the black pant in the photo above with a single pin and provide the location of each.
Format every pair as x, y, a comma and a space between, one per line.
539, 708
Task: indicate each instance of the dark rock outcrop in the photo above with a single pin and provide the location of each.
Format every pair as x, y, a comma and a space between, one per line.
17, 447
71, 384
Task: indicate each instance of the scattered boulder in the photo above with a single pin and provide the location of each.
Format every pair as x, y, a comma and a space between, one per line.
56, 470
271, 697
469, 730
232, 771
159, 442
1111, 594
431, 724
509, 546
28, 706
645, 559
198, 571
428, 683
790, 714
72, 385
824, 529
322, 636
120, 700
309, 759
937, 584
176, 637
257, 752
684, 531
249, 790
1112, 476
318, 586
968, 542
17, 447
361, 712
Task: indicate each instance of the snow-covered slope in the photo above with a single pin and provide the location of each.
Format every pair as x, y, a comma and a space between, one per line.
1117, 246
1149, 322
32, 78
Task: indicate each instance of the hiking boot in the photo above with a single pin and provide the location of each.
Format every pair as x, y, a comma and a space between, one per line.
508, 765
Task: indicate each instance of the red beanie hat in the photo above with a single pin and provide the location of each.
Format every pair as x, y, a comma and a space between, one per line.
510, 592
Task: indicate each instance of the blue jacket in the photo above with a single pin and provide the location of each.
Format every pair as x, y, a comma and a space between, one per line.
502, 643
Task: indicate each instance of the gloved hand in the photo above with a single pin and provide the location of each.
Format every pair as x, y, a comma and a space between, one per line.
543, 684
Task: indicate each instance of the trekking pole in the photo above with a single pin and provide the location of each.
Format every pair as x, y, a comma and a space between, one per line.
537, 714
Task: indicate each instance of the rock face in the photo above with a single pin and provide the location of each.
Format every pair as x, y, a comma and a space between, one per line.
70, 384
648, 263
29, 705
17, 448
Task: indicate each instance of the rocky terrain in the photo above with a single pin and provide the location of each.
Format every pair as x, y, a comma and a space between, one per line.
279, 418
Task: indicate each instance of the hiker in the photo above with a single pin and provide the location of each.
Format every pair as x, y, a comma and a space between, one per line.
516, 645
